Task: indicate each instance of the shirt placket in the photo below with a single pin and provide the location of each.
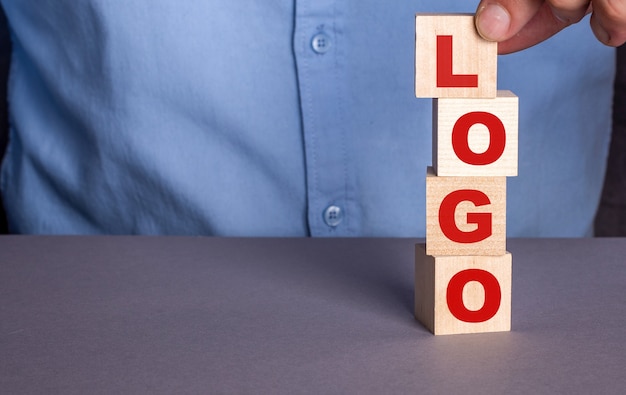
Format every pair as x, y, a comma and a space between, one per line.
319, 60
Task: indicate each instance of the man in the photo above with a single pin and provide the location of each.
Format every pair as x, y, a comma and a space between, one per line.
287, 118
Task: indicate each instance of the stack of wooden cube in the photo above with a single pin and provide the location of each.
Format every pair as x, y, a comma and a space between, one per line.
463, 274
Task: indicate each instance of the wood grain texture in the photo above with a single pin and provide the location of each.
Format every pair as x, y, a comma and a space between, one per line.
471, 54
446, 114
432, 278
438, 188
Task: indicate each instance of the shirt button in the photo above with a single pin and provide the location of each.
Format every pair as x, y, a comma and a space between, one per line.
333, 216
320, 43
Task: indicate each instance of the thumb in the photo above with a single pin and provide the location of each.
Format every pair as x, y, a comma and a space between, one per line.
499, 20
517, 24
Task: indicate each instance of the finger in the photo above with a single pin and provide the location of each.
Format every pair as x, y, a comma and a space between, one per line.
569, 11
542, 26
499, 20
608, 21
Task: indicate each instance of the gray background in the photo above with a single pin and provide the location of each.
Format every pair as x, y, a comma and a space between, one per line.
108, 315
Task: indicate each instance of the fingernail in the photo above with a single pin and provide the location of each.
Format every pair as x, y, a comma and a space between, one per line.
601, 34
561, 18
493, 22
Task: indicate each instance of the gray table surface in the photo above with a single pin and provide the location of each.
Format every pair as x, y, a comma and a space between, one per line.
83, 315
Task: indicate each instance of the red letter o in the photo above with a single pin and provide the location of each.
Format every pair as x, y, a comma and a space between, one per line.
497, 138
454, 295
447, 222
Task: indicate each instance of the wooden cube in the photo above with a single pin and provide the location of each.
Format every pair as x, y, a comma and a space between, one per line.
476, 137
465, 215
451, 59
463, 294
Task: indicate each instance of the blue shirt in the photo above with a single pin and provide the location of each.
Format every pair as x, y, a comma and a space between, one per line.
254, 117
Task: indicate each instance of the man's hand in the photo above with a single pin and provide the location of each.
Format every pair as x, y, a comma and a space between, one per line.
519, 24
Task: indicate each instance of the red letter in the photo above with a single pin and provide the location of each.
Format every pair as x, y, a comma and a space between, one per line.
448, 224
445, 78
454, 295
497, 138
